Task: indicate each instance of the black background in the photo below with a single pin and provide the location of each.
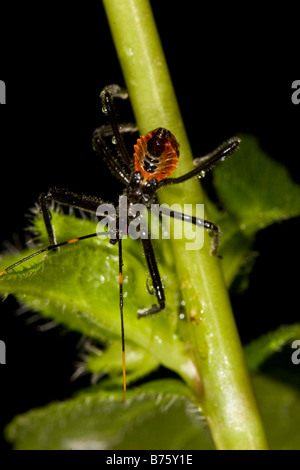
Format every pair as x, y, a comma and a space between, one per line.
232, 71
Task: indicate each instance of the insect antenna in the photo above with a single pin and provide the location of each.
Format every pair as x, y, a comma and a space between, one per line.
122, 316
52, 247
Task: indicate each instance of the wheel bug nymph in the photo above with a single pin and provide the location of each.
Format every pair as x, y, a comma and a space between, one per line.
155, 157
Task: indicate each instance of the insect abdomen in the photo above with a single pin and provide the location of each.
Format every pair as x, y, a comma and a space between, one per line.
156, 154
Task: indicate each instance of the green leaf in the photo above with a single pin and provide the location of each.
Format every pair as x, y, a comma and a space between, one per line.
160, 415
97, 419
262, 348
138, 363
279, 404
235, 247
78, 287
256, 192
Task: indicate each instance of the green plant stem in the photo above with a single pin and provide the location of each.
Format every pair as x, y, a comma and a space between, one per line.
224, 392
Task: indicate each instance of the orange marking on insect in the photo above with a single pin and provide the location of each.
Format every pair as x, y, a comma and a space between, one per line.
3, 272
120, 278
72, 241
156, 154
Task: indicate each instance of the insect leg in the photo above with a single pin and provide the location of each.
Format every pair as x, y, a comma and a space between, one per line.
157, 284
112, 162
66, 198
207, 163
214, 230
124, 128
107, 96
53, 247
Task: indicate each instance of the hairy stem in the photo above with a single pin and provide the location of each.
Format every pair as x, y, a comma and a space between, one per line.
225, 393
